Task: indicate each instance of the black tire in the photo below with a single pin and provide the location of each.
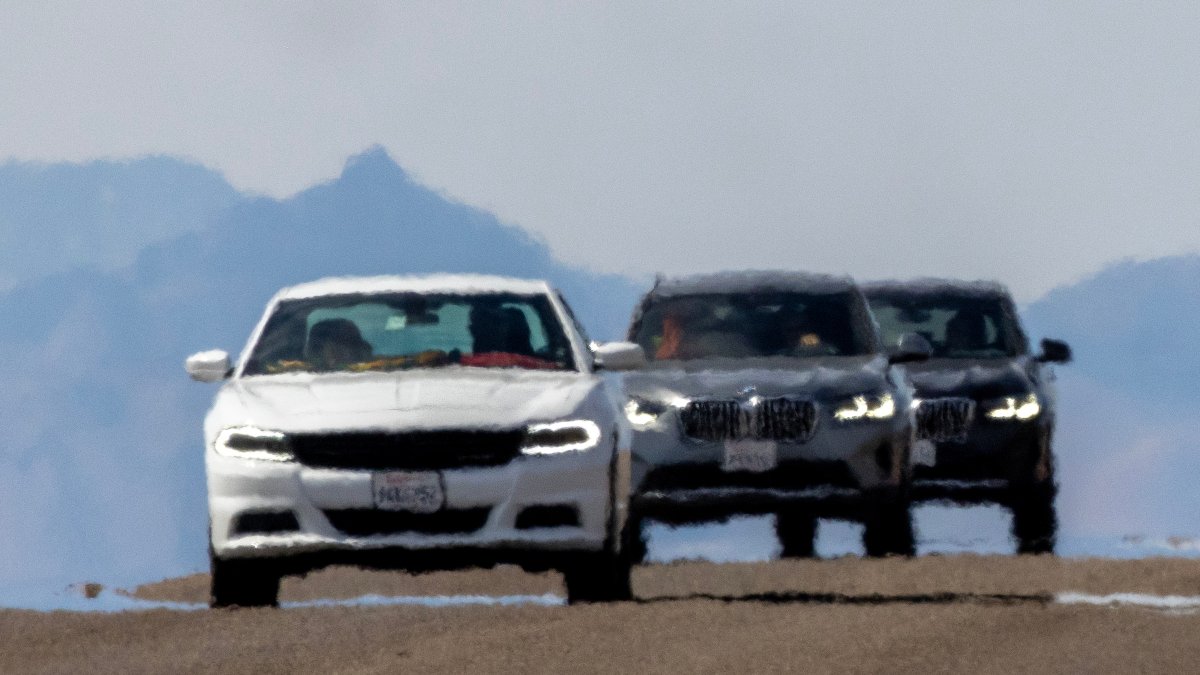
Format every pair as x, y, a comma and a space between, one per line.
243, 583
1034, 518
635, 546
797, 533
602, 577
887, 526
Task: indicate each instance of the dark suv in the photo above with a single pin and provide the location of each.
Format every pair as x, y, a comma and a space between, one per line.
984, 405
770, 393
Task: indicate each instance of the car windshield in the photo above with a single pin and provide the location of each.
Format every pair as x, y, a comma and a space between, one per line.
357, 333
956, 326
748, 325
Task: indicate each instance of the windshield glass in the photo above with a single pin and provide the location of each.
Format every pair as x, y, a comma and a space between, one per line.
755, 325
956, 326
357, 333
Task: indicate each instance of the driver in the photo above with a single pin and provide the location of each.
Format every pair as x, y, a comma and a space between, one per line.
680, 330
334, 344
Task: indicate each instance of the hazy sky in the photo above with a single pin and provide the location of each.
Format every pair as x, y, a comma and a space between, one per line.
1026, 141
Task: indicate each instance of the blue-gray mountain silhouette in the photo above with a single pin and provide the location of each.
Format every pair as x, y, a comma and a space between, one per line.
58, 217
1134, 326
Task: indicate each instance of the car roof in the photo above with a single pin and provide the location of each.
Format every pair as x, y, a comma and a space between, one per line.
464, 284
936, 286
752, 280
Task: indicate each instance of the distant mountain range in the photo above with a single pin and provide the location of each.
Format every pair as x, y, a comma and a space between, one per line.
119, 270
1134, 326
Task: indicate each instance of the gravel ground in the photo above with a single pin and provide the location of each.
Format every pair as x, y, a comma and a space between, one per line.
947, 614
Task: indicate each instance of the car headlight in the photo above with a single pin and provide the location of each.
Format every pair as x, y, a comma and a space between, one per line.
642, 412
1015, 408
254, 443
873, 407
558, 437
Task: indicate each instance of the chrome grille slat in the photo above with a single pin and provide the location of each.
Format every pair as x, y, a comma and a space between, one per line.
777, 419
945, 419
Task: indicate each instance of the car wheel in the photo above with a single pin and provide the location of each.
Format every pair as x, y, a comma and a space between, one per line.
635, 547
797, 533
243, 583
601, 577
887, 525
1034, 519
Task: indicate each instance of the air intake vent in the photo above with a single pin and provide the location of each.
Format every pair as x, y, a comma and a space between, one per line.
417, 450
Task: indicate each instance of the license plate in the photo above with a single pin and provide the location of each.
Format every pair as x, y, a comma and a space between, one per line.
924, 453
753, 456
418, 492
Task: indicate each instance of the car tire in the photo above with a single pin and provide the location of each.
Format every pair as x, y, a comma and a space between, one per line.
1034, 518
887, 525
243, 583
601, 577
635, 546
797, 533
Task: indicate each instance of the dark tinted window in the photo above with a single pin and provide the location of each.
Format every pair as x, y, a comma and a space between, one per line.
957, 326
754, 325
408, 330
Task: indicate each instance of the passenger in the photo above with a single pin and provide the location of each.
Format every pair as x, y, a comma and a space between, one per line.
334, 344
517, 337
487, 330
820, 329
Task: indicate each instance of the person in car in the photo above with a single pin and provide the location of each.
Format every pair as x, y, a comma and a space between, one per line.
966, 331
334, 344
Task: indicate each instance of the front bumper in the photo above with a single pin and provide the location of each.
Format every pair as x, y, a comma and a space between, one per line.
995, 459
681, 480
335, 517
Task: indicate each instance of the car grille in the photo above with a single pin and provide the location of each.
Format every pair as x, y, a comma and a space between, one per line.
417, 450
945, 419
777, 419
369, 522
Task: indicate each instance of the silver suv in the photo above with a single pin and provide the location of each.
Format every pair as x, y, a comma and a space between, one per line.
770, 392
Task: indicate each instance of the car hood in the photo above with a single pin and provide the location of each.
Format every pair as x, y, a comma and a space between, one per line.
980, 379
458, 398
821, 378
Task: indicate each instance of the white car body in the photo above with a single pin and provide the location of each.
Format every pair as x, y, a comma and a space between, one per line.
594, 481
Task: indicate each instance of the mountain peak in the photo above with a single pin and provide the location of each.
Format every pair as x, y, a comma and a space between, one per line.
373, 163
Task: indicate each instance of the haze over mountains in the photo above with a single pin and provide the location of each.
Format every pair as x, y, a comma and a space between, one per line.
118, 270
1129, 435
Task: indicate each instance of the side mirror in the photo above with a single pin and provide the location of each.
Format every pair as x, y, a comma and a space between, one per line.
619, 356
911, 348
210, 366
1055, 351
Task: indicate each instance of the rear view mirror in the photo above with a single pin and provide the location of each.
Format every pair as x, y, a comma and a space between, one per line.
210, 366
619, 356
1055, 351
910, 348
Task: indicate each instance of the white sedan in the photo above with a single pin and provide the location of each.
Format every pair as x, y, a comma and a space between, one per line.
417, 423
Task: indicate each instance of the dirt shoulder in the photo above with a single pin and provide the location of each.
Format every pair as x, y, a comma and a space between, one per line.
927, 575
939, 614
